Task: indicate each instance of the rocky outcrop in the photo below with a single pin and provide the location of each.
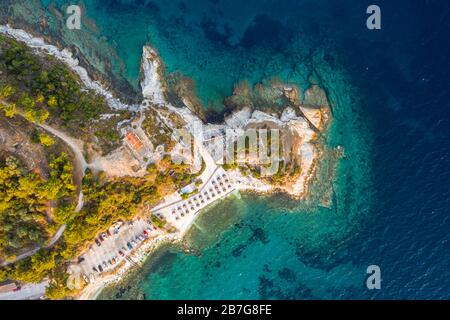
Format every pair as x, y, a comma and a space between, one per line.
66, 56
300, 123
315, 106
151, 81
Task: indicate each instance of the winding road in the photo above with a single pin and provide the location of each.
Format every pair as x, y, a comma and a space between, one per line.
70, 142
81, 165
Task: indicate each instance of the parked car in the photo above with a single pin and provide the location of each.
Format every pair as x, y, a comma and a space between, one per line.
80, 259
121, 253
94, 269
110, 262
100, 268
129, 246
113, 261
108, 233
105, 265
124, 249
91, 250
116, 226
97, 242
101, 238
133, 243
104, 235
85, 278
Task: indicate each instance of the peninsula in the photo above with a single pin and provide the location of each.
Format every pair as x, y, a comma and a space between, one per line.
90, 185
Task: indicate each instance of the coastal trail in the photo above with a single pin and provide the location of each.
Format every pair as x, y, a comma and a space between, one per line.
80, 167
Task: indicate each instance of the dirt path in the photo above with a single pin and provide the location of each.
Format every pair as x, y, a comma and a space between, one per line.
27, 254
80, 164
80, 167
70, 142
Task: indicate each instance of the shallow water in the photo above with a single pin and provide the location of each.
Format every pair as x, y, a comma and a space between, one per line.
389, 196
390, 99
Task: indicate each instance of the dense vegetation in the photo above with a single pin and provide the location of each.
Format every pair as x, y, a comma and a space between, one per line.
25, 201
41, 88
105, 201
42, 138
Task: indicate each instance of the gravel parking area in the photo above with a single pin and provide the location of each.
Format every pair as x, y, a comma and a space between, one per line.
101, 257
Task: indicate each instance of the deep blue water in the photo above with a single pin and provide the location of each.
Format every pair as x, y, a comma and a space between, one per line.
408, 97
401, 79
402, 75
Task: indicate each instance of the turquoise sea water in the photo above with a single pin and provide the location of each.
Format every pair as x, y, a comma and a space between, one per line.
275, 248
259, 247
268, 248
215, 43
385, 203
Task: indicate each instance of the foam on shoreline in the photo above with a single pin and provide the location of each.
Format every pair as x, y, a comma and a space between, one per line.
153, 91
93, 290
66, 56
151, 83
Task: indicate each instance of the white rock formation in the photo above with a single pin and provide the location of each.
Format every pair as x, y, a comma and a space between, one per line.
152, 88
66, 57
